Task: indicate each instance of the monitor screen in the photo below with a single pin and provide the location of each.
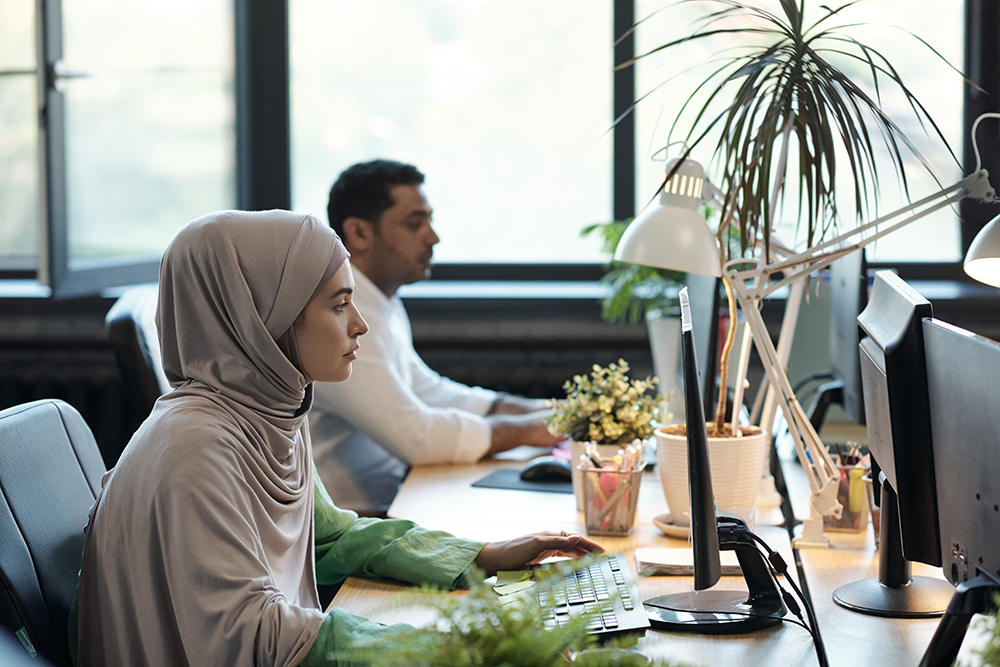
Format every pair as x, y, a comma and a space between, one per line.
848, 297
963, 370
896, 405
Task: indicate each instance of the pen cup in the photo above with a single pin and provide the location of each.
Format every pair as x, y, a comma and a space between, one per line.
853, 497
609, 500
606, 452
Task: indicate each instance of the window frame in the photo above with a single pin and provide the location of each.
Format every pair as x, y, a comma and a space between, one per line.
263, 147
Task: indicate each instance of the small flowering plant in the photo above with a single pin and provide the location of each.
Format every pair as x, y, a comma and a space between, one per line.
606, 407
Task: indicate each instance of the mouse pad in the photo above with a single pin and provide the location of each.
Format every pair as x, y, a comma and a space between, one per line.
510, 479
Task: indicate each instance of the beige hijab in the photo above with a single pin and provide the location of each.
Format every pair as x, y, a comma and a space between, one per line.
200, 547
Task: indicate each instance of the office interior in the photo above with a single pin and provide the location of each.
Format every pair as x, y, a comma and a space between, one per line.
514, 327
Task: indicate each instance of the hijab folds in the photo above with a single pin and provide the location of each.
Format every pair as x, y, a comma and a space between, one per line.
199, 549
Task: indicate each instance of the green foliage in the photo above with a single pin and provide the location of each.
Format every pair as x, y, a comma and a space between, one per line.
635, 289
989, 654
606, 407
477, 629
785, 101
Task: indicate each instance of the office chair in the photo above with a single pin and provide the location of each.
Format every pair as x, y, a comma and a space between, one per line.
131, 327
50, 475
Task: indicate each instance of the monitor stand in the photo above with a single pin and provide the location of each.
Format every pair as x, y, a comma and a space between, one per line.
723, 612
895, 593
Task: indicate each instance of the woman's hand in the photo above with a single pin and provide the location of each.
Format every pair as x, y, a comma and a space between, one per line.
528, 550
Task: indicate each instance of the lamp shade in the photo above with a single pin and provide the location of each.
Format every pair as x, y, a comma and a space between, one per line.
982, 262
670, 233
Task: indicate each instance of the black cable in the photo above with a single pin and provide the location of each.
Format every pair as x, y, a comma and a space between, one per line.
777, 564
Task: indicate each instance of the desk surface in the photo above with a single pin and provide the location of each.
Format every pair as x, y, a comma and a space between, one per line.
441, 497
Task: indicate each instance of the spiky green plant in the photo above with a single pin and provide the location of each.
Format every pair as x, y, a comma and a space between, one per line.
777, 83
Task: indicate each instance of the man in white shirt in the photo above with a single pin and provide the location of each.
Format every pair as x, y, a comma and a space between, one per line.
395, 411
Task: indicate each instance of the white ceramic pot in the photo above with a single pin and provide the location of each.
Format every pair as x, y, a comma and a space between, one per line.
735, 463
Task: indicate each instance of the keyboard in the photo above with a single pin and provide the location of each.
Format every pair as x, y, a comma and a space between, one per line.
605, 590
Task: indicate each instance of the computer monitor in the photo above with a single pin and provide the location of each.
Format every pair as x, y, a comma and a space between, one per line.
895, 388
712, 611
704, 299
962, 373
848, 297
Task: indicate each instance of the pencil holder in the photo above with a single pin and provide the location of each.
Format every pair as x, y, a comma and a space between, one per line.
576, 450
853, 497
609, 500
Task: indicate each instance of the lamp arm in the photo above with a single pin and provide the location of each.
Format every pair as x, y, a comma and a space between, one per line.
975, 186
821, 472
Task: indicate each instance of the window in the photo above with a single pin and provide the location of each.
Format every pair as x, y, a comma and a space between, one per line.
505, 107
18, 135
138, 133
935, 238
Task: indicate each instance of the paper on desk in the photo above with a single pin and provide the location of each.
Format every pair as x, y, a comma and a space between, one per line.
678, 561
509, 584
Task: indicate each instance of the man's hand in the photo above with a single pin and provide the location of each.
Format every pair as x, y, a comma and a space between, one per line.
528, 550
507, 404
509, 431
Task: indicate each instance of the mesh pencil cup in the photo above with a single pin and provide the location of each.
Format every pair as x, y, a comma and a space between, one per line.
609, 499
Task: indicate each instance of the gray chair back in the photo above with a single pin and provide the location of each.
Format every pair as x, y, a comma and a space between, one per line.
131, 327
50, 475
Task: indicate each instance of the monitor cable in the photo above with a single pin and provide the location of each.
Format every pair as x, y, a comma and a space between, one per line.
778, 566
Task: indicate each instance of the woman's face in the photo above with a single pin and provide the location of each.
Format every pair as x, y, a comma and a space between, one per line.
327, 330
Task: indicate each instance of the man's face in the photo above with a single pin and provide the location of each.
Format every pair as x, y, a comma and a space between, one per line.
404, 239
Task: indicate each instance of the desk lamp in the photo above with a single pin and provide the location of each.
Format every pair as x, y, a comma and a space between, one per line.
982, 261
655, 239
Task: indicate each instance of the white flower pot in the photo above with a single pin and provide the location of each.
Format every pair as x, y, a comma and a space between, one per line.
735, 463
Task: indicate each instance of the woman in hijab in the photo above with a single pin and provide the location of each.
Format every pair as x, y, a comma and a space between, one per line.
208, 538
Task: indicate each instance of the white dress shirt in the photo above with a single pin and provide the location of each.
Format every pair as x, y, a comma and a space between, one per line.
393, 412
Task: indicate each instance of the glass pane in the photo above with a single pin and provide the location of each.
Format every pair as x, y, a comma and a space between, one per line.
17, 35
150, 129
505, 106
18, 167
935, 238
18, 132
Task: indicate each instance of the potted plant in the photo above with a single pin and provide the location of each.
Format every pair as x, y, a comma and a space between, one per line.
606, 408
642, 294
780, 107
636, 292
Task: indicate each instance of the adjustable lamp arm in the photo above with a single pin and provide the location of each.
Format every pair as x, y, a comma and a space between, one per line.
754, 283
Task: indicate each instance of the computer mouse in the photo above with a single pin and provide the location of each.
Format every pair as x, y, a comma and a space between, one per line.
547, 469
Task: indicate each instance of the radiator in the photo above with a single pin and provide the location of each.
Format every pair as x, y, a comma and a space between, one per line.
86, 379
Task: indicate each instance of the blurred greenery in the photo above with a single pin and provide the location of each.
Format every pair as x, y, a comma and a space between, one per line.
636, 290
479, 629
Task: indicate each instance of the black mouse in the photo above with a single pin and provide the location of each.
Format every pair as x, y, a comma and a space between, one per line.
547, 469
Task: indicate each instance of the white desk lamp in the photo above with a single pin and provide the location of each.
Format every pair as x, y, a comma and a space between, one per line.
656, 239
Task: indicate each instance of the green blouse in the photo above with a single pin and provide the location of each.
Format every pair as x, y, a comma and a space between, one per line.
347, 545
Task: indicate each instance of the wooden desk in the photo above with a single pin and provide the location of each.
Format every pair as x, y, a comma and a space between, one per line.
441, 497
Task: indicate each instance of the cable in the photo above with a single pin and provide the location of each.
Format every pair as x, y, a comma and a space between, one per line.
777, 565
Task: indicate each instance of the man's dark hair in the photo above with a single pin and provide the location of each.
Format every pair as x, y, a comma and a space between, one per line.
363, 191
